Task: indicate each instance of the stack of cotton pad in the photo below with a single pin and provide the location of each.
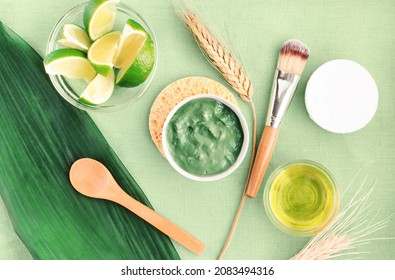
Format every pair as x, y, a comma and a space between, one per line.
341, 96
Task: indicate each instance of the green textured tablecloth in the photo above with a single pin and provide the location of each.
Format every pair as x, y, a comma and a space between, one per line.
360, 30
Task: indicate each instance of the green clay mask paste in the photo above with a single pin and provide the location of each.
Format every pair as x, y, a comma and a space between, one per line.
205, 137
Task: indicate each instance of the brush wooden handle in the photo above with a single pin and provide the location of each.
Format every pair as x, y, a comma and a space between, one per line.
262, 159
160, 222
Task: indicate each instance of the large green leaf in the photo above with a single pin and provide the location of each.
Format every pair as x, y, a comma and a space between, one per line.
41, 136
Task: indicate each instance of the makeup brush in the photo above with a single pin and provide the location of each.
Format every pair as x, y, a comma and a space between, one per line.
291, 62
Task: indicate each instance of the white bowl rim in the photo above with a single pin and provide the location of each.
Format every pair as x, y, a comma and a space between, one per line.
241, 155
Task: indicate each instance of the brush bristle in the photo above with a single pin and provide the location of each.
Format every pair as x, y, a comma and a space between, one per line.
293, 57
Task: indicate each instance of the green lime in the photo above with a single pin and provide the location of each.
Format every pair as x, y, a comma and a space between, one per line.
136, 55
70, 63
132, 40
75, 37
99, 89
99, 17
102, 52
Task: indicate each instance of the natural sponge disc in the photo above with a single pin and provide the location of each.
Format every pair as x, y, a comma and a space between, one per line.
176, 92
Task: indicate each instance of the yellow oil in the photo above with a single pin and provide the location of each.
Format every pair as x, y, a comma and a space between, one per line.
303, 198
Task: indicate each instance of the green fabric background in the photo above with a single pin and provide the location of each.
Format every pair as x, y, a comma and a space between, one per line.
360, 30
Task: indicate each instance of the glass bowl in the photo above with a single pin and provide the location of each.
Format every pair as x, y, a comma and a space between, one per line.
301, 197
216, 176
70, 89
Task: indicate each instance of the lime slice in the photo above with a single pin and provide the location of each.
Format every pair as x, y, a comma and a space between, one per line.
99, 17
99, 90
136, 56
75, 37
102, 52
132, 40
69, 63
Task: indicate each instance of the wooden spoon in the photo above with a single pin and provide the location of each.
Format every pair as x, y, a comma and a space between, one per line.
91, 178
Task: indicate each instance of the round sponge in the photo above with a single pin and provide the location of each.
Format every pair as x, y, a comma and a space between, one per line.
176, 92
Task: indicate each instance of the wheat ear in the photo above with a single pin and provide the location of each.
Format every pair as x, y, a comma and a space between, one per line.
221, 58
225, 62
349, 229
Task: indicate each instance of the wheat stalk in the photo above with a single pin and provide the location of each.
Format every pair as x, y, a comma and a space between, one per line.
225, 62
349, 229
324, 249
221, 58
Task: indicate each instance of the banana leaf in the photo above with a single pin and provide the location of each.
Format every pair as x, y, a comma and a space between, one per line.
41, 135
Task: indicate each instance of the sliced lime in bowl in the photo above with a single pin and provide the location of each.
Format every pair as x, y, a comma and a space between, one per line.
75, 37
70, 63
99, 89
102, 52
99, 17
71, 89
136, 55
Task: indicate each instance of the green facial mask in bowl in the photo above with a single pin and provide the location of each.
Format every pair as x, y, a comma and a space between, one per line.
205, 138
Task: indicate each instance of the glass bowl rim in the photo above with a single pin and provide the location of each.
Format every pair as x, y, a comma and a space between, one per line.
277, 222
52, 45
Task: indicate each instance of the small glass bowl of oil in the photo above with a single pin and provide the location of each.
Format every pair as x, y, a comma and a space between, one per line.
301, 197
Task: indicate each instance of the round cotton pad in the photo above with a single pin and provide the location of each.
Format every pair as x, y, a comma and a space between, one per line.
341, 96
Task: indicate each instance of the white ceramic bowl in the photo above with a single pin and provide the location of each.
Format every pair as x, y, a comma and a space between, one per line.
240, 157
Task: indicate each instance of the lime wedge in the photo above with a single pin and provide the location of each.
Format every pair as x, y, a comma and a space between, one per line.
99, 89
132, 40
135, 56
69, 63
75, 37
102, 52
99, 17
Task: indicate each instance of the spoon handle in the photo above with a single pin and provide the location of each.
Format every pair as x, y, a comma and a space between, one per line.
160, 222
